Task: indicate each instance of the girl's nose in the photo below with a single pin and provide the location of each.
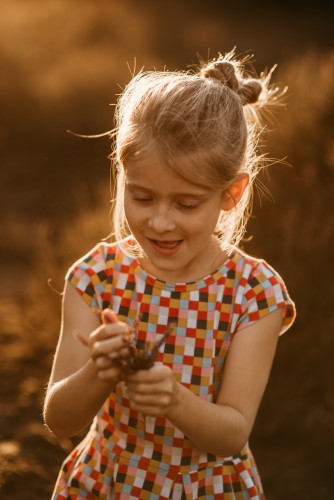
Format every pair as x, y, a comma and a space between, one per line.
161, 223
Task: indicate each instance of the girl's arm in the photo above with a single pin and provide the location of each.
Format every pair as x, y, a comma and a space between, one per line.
221, 428
75, 391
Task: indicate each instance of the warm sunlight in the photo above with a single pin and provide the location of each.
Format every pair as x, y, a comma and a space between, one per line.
63, 63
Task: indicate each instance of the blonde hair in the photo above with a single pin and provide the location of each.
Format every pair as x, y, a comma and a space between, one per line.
205, 124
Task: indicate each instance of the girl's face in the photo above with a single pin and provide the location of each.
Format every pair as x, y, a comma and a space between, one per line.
173, 221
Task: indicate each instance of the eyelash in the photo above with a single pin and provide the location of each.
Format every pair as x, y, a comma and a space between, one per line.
188, 207
181, 205
143, 200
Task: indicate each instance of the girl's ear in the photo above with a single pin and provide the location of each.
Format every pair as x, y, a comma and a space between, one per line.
232, 195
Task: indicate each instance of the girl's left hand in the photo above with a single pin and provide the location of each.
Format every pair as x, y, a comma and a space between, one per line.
152, 392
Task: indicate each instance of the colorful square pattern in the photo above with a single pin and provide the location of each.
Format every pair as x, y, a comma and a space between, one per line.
127, 456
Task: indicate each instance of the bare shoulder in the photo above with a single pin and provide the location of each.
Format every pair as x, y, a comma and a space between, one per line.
77, 314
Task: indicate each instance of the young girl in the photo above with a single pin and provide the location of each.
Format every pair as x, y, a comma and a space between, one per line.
185, 157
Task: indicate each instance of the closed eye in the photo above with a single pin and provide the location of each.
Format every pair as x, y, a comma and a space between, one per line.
190, 205
142, 199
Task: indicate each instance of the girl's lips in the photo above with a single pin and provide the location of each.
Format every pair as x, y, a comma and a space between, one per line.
166, 248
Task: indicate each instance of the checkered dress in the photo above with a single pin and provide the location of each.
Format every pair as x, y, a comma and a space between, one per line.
128, 456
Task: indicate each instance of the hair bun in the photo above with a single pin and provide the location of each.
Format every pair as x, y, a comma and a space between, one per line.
224, 71
249, 91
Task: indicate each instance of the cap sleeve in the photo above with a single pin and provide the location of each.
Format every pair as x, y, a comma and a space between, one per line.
265, 292
88, 276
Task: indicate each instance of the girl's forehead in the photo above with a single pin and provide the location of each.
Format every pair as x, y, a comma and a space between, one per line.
153, 173
144, 165
182, 168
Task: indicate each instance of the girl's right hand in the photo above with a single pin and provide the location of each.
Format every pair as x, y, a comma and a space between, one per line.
107, 343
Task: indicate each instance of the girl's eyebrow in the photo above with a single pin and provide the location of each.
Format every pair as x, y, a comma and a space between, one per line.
133, 185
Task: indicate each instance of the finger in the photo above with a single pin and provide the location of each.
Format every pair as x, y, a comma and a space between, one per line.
113, 374
108, 316
108, 330
103, 362
141, 387
111, 347
156, 374
121, 355
151, 410
154, 389
161, 400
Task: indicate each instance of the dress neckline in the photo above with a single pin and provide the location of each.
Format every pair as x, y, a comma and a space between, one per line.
207, 280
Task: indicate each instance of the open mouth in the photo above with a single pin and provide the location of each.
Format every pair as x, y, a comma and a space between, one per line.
168, 247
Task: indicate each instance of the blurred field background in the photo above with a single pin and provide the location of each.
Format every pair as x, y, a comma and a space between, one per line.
62, 62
